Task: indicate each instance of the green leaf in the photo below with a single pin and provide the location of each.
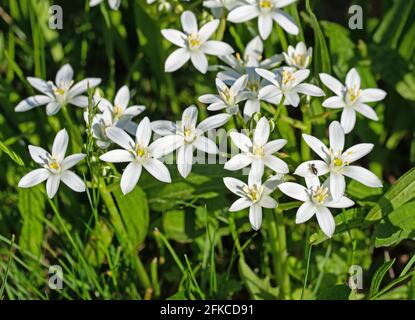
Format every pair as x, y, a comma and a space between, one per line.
134, 212
406, 87
401, 192
13, 155
339, 292
258, 288
378, 277
31, 204
397, 226
321, 53
179, 226
100, 239
393, 24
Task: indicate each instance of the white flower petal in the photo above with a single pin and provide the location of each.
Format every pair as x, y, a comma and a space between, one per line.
255, 216
267, 75
52, 185
372, 95
40, 85
199, 60
143, 133
276, 164
60, 144
309, 89
238, 162
337, 185
72, 160
33, 178
295, 191
251, 106
367, 111
348, 119
241, 141
357, 151
189, 116
32, 102
130, 177
317, 146
174, 36
176, 60
208, 29
334, 102
332, 83
261, 133
305, 212
234, 185
274, 146
185, 160
189, 22
209, 98
243, 13
362, 175
336, 135
343, 202
353, 79
240, 84
286, 22
64, 76
120, 137
122, 97
292, 99
325, 221
158, 170
52, 108
265, 26
165, 145
78, 101
73, 181
240, 204
82, 86
206, 145
267, 202
164, 127
117, 156
39, 155
306, 168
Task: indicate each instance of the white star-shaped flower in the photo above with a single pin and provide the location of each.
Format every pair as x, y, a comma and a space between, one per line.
351, 98
59, 94
266, 11
287, 82
187, 136
114, 4
194, 44
337, 162
55, 167
257, 152
298, 57
228, 98
253, 195
317, 200
139, 153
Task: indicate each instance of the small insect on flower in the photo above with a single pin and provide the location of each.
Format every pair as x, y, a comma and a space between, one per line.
55, 167
58, 94
313, 168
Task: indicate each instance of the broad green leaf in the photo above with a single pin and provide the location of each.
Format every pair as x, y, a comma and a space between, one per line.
134, 212
398, 194
31, 204
258, 288
321, 53
406, 87
339, 292
378, 277
396, 226
179, 225
99, 241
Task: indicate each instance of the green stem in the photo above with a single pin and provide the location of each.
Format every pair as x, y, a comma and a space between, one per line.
274, 246
279, 109
76, 136
305, 149
306, 271
281, 255
283, 39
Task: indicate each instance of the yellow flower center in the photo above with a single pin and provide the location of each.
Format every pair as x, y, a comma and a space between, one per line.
54, 165
338, 162
287, 76
253, 86
252, 193
320, 194
299, 59
265, 4
187, 132
193, 41
140, 152
60, 91
353, 94
118, 111
227, 96
258, 151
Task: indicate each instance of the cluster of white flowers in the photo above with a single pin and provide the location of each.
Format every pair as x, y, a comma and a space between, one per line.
252, 80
